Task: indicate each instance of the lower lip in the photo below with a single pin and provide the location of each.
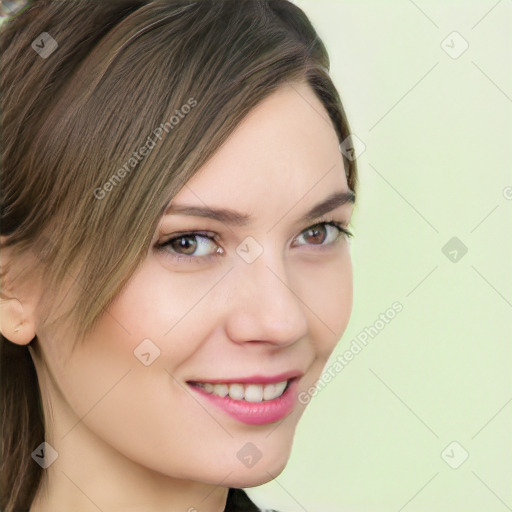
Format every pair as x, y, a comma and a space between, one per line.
255, 413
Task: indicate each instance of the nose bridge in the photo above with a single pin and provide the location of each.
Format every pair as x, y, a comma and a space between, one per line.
264, 306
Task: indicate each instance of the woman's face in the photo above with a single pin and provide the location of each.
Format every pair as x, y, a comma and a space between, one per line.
241, 302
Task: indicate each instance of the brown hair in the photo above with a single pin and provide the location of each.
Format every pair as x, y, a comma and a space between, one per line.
181, 74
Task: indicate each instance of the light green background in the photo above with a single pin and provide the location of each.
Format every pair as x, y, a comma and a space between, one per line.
437, 164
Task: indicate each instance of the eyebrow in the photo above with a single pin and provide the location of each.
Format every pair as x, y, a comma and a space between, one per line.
235, 218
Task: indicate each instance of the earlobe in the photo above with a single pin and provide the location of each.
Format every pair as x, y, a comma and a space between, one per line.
14, 325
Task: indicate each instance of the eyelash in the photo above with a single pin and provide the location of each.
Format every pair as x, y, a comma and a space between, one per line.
180, 258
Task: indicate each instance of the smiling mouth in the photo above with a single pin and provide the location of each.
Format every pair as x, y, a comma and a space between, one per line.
245, 391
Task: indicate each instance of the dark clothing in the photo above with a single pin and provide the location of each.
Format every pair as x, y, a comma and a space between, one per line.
238, 501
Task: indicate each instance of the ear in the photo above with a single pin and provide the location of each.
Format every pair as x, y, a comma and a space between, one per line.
16, 321
14, 325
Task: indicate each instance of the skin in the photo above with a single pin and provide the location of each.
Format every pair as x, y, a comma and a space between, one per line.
131, 437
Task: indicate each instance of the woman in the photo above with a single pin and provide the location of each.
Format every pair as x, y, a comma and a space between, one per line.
175, 260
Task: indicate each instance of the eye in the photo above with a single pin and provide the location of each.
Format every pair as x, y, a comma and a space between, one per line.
192, 246
329, 231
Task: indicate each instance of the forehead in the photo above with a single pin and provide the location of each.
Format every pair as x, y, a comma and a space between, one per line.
284, 152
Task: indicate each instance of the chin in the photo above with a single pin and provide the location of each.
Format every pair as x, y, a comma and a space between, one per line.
259, 474
251, 479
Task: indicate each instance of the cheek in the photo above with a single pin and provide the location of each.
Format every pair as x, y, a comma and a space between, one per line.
111, 355
327, 291
115, 395
157, 305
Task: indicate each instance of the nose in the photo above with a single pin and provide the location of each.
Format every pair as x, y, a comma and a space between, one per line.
263, 305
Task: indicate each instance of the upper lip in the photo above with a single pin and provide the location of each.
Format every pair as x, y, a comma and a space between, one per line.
256, 379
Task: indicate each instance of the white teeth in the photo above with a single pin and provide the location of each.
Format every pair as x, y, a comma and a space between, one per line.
220, 389
247, 392
236, 391
254, 393
273, 390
